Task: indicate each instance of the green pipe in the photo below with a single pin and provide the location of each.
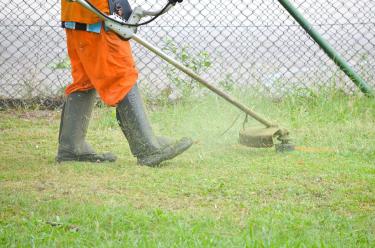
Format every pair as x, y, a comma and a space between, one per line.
327, 48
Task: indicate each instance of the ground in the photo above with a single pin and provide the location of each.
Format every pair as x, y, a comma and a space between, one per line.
218, 194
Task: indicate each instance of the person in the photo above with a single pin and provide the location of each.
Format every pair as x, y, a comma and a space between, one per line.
102, 62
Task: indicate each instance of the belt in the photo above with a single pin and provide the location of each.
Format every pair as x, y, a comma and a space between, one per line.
95, 27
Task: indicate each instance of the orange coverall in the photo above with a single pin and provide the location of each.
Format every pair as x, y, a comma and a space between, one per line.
102, 61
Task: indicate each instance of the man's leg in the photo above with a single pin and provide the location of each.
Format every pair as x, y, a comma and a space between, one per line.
77, 112
144, 145
75, 119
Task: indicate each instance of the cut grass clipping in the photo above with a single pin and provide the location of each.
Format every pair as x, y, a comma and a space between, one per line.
218, 194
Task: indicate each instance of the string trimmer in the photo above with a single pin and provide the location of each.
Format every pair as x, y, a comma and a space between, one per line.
252, 137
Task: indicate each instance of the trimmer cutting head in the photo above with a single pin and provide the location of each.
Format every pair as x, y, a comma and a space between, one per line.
264, 138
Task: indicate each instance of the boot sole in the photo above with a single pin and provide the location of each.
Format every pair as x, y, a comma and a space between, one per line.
91, 158
166, 154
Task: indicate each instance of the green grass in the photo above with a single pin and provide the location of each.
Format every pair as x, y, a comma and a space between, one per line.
218, 194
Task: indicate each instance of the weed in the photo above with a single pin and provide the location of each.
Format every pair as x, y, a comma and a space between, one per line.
61, 64
228, 83
199, 62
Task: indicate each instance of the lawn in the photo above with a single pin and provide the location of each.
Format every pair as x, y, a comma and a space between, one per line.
218, 194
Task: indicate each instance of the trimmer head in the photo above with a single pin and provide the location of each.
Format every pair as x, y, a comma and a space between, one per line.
258, 137
264, 138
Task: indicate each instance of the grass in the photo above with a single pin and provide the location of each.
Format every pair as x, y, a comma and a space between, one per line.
218, 194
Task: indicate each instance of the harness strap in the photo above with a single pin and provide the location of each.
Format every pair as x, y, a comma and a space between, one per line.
95, 27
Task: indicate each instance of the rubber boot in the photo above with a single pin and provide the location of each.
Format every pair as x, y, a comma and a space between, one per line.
144, 145
75, 120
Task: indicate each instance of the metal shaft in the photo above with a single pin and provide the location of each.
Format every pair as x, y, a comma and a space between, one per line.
201, 80
327, 48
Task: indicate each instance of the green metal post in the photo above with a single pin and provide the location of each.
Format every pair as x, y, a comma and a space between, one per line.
327, 48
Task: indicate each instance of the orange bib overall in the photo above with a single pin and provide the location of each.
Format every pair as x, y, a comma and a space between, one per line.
99, 61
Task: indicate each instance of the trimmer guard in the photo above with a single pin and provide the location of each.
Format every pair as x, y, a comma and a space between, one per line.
258, 137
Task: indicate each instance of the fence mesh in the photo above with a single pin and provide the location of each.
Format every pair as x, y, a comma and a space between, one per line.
233, 43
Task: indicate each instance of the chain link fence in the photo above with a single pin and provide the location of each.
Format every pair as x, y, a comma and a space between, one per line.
239, 43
